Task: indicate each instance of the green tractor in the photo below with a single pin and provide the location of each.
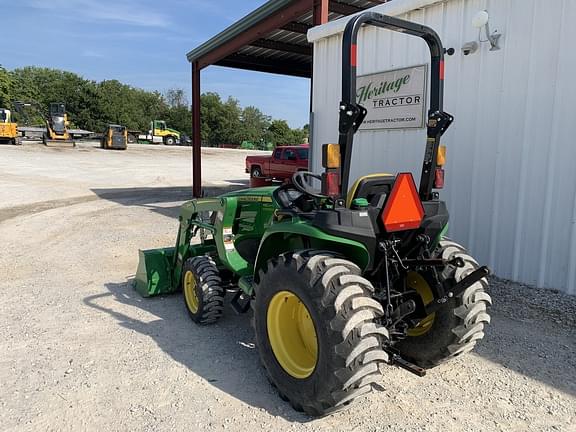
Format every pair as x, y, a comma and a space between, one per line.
340, 282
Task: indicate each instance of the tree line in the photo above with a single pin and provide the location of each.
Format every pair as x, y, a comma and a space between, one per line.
92, 105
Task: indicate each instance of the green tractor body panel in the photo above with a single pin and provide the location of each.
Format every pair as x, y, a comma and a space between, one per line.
289, 236
245, 235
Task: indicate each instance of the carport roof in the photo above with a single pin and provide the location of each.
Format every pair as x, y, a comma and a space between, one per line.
272, 38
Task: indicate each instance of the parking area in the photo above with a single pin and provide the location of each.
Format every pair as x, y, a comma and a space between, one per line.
80, 350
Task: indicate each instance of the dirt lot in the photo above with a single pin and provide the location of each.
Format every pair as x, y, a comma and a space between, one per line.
79, 350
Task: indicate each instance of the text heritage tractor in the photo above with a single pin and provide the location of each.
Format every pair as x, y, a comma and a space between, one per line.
340, 282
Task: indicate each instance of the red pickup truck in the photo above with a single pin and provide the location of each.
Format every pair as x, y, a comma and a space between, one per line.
284, 162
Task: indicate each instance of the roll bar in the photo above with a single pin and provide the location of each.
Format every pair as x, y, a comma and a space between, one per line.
352, 114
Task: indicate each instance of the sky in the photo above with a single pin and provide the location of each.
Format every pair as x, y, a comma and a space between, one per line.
143, 43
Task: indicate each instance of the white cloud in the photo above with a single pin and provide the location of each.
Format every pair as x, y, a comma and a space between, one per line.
129, 12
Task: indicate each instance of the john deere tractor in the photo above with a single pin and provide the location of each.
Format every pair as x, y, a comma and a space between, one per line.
340, 282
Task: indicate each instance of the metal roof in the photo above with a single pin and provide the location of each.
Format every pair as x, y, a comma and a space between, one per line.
272, 38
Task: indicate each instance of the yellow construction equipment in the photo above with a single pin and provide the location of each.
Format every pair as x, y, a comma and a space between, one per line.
57, 123
55, 119
114, 137
8, 128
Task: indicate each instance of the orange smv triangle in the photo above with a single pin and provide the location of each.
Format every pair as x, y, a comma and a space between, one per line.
403, 210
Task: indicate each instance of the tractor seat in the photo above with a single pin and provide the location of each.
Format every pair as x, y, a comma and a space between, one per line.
371, 187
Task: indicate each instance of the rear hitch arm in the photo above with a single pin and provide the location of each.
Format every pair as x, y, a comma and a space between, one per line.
433, 262
458, 289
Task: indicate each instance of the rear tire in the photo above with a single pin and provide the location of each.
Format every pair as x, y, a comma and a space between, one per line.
338, 303
456, 327
256, 172
202, 290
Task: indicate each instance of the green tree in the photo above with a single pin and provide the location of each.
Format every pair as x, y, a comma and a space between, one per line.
178, 114
299, 136
91, 105
131, 107
221, 122
254, 124
176, 98
279, 133
46, 85
5, 88
179, 118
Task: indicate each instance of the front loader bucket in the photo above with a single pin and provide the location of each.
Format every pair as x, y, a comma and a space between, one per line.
154, 274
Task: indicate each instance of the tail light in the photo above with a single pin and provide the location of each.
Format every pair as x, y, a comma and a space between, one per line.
331, 176
441, 156
439, 178
331, 184
403, 209
331, 156
440, 162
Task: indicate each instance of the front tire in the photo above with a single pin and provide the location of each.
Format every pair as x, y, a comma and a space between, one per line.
455, 328
202, 289
169, 140
314, 321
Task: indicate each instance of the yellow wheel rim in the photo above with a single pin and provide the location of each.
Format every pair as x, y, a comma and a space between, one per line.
417, 282
292, 334
190, 292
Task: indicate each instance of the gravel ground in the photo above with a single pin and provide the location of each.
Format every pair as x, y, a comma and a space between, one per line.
81, 351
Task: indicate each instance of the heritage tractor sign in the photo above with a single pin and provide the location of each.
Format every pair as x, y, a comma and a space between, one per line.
394, 99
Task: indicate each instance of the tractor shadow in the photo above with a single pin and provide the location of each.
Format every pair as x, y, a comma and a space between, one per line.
539, 343
162, 200
223, 353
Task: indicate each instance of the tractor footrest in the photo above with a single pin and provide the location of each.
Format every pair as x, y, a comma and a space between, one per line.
240, 302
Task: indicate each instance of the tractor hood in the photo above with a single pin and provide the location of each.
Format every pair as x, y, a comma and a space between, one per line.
252, 194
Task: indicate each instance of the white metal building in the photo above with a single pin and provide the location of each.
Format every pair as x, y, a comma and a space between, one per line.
511, 170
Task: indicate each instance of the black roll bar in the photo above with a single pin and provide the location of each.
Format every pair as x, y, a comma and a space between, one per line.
352, 114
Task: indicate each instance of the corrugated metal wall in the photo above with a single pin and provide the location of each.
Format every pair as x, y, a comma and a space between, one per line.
511, 171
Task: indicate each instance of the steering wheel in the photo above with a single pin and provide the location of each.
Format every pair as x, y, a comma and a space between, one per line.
299, 182
287, 195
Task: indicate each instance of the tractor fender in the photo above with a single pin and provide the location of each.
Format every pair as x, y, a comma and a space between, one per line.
287, 237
